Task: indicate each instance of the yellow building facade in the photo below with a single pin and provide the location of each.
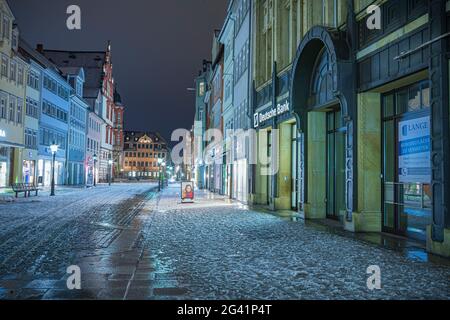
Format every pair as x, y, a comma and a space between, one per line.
345, 114
280, 26
12, 100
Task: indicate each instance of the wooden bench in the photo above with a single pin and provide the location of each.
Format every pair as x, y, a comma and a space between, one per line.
25, 188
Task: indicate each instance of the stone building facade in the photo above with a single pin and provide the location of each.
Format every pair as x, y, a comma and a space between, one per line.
362, 114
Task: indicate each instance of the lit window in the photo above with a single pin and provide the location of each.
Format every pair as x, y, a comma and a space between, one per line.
201, 89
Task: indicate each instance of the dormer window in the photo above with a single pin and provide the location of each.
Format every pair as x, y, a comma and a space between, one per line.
15, 40
6, 27
79, 88
72, 82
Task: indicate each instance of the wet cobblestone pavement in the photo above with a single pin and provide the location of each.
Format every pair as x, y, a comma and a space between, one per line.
133, 244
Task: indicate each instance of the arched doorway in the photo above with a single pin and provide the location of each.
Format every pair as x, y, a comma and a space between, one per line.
326, 138
322, 103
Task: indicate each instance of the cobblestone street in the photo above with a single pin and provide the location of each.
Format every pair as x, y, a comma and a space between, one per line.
131, 243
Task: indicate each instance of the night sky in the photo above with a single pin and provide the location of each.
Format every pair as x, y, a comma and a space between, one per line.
157, 46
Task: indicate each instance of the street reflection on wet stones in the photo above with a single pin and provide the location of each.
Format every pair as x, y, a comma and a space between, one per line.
131, 242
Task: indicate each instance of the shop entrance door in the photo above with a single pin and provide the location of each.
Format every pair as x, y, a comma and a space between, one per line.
269, 176
5, 161
294, 168
3, 174
335, 166
407, 198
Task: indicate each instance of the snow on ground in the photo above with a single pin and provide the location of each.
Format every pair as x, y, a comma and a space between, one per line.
131, 244
220, 250
41, 234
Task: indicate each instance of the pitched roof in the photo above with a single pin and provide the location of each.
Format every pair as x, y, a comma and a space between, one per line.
28, 52
70, 70
117, 98
91, 61
155, 136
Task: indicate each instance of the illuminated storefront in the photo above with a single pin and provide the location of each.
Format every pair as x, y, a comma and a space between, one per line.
10, 164
5, 166
28, 171
240, 180
13, 82
45, 172
276, 175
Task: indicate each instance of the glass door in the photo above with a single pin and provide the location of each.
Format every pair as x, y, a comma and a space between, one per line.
406, 161
48, 173
335, 165
294, 168
4, 163
3, 174
269, 174
28, 171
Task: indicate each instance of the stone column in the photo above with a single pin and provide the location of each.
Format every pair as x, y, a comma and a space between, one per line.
284, 176
367, 216
315, 207
17, 165
439, 232
260, 196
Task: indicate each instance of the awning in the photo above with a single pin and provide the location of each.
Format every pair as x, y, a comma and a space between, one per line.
12, 145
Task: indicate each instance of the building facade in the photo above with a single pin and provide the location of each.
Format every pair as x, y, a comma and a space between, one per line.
224, 167
141, 153
98, 92
53, 124
198, 139
242, 113
107, 113
277, 25
361, 115
47, 97
93, 140
214, 161
226, 38
118, 135
32, 113
76, 150
13, 84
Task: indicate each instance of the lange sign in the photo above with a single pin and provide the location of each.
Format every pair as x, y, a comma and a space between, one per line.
414, 151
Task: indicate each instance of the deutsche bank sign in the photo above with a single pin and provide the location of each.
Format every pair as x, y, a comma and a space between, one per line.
260, 118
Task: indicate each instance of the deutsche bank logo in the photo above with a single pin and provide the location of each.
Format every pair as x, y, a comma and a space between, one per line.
405, 130
256, 120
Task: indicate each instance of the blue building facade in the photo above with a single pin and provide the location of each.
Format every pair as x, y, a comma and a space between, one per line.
53, 125
201, 85
242, 10
76, 148
226, 37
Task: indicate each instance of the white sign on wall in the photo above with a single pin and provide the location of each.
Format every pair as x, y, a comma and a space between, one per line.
2, 133
414, 151
261, 117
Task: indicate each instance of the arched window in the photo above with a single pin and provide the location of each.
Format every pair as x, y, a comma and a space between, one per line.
321, 81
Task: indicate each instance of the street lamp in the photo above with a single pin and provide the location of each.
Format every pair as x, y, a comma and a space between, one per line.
164, 166
54, 149
110, 162
95, 165
160, 161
